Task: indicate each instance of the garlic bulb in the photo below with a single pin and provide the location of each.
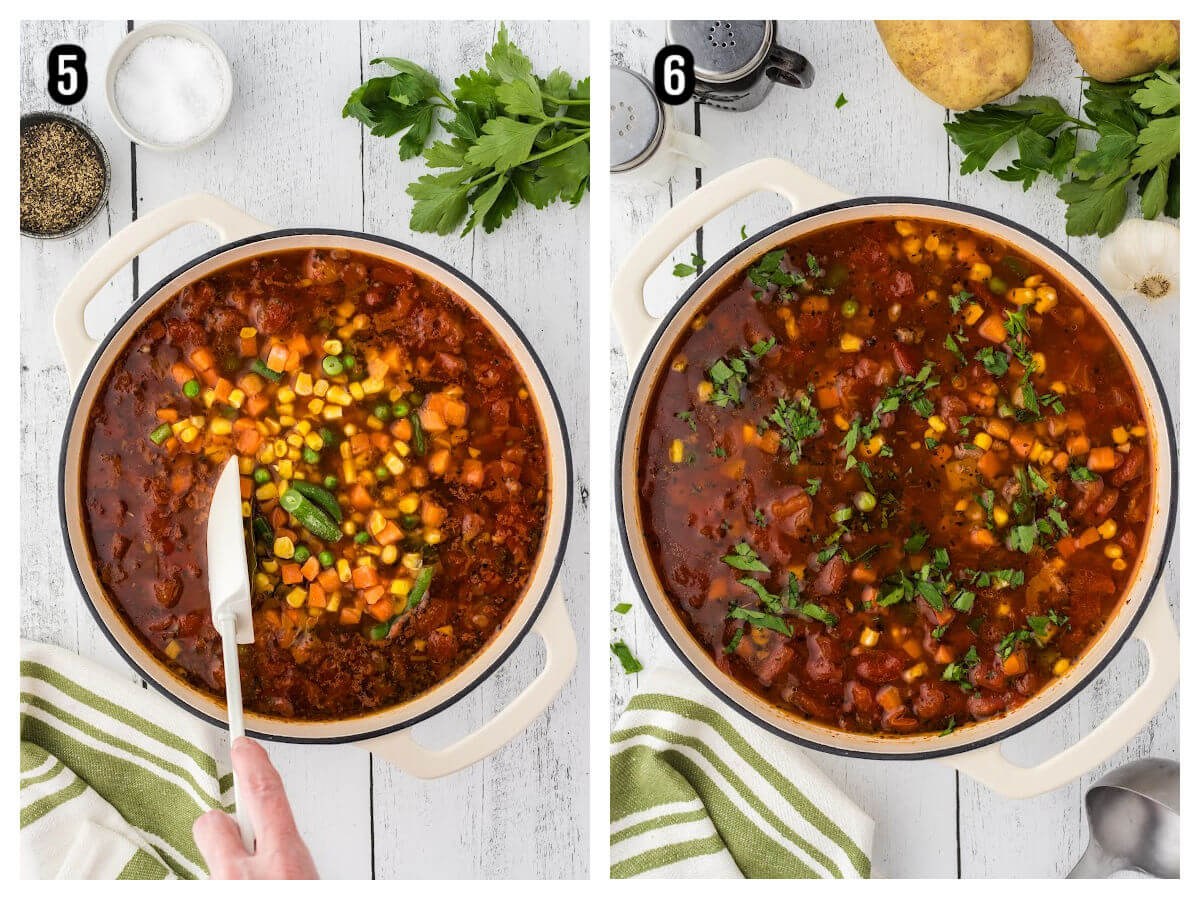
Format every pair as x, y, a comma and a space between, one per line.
1142, 257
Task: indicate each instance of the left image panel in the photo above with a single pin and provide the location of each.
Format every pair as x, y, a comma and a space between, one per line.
303, 449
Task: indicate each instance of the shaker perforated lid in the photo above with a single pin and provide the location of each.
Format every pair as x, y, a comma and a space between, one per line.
723, 50
636, 119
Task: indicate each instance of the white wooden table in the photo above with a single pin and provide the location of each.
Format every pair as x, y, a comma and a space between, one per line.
286, 156
889, 139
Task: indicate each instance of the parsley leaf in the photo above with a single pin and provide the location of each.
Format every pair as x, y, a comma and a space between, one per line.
744, 558
628, 661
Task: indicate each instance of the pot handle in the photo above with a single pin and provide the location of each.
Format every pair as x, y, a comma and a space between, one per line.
404, 752
634, 323
990, 767
74, 342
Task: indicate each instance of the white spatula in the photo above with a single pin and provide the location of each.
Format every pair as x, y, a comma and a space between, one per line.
229, 593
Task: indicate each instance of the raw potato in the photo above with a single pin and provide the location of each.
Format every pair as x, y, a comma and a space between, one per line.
1110, 51
960, 64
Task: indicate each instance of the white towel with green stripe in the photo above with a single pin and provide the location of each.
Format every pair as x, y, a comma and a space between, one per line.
699, 792
112, 774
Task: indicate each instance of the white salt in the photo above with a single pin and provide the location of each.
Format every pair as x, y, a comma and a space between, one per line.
169, 89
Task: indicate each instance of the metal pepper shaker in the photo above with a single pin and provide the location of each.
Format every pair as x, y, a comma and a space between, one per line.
738, 61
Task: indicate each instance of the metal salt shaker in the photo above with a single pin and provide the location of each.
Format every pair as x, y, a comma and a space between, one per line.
644, 142
737, 61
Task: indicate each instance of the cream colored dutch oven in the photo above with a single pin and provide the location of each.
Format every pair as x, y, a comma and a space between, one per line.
974, 750
542, 608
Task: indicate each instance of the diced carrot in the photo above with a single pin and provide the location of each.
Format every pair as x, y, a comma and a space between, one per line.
271, 617
1102, 459
981, 537
888, 697
247, 487
293, 361
1065, 547
392, 357
311, 568
455, 413
471, 472
202, 358
257, 404
992, 328
360, 442
374, 594
1015, 664
167, 415
299, 345
349, 615
402, 429
381, 609
944, 654
250, 346
827, 397
990, 465
328, 579
389, 534
381, 441
364, 577
316, 596
431, 417
863, 573
210, 377
1022, 443
222, 389
942, 453
359, 498
277, 358
439, 461
286, 532
181, 373
248, 441
291, 573
1078, 444
1089, 537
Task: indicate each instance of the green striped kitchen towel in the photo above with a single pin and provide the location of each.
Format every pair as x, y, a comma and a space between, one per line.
698, 794
112, 774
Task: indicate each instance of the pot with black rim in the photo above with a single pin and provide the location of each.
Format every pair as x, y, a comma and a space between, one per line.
542, 607
974, 750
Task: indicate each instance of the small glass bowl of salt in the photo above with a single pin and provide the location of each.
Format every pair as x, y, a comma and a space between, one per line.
169, 86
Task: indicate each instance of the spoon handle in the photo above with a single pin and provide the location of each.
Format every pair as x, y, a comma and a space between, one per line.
1095, 863
233, 696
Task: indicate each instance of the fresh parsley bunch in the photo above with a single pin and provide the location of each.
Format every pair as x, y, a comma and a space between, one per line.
1137, 126
513, 136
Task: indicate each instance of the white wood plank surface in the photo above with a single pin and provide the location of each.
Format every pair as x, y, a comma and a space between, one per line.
286, 156
889, 139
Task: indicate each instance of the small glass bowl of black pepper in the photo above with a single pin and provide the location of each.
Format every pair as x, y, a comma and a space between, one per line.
65, 175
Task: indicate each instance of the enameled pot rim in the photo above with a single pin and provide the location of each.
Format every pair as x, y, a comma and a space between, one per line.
903, 745
553, 559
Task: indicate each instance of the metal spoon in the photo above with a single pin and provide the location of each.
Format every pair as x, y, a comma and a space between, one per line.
1133, 813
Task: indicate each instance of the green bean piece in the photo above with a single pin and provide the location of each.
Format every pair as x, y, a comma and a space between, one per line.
161, 433
262, 528
420, 587
331, 482
309, 515
361, 538
258, 367
418, 434
324, 500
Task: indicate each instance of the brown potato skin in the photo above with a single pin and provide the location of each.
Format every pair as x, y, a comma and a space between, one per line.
1112, 50
960, 64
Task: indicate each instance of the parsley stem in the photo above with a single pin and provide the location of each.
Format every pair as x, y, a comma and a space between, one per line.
566, 102
575, 140
579, 122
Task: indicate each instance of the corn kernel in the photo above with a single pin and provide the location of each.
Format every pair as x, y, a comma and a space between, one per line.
332, 412
285, 468
1061, 665
917, 671
1107, 529
236, 398
904, 228
343, 570
401, 586
1000, 515
304, 384
262, 581
321, 388
676, 452
188, 434
356, 390
1039, 363
313, 440
1138, 431
315, 405
394, 464
270, 566
972, 313
408, 503
869, 637
872, 447
284, 548
296, 597
221, 426
1120, 435
388, 556
980, 271
1058, 387
1003, 609
704, 391
401, 448
679, 363
333, 347
937, 423
1113, 551
411, 561
432, 536
1047, 299
983, 441
851, 343
1119, 565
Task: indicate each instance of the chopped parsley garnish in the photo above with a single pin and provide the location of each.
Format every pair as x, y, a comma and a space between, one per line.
916, 541
960, 670
760, 518
994, 361
1081, 473
622, 608
840, 101
767, 273
731, 647
948, 729
797, 422
688, 417
683, 271
769, 600
819, 613
761, 619
629, 662
952, 345
745, 559
957, 300
813, 485
997, 578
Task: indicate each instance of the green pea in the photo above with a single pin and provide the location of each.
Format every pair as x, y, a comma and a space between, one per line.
331, 482
849, 309
311, 456
327, 437
864, 501
191, 388
383, 412
410, 522
325, 558
400, 409
997, 285
261, 475
349, 361
332, 365
301, 554
381, 472
361, 538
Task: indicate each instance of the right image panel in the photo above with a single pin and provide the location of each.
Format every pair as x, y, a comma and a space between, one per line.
895, 385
